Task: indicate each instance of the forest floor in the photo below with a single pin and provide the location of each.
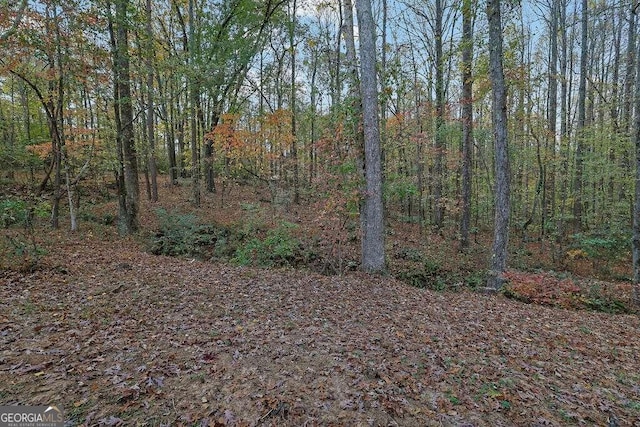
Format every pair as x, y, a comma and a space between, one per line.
118, 336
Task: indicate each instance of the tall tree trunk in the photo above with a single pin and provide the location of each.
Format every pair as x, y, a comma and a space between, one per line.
153, 170
580, 128
438, 208
565, 80
26, 117
55, 106
353, 83
168, 117
373, 257
631, 61
193, 97
129, 223
548, 204
62, 161
636, 206
294, 142
355, 127
119, 172
467, 119
313, 131
498, 262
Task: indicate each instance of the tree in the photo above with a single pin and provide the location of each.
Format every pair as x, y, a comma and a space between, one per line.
548, 204
194, 102
128, 188
582, 114
438, 209
13, 27
636, 205
150, 103
502, 204
373, 257
294, 143
467, 119
42, 68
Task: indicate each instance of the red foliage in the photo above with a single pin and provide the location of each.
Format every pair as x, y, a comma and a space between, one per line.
543, 288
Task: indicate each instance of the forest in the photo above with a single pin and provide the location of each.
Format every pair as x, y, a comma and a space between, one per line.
321, 212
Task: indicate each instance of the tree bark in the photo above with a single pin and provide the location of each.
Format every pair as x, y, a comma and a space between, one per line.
548, 203
629, 78
636, 207
153, 170
193, 97
129, 222
438, 208
294, 142
373, 257
353, 82
467, 120
580, 128
499, 248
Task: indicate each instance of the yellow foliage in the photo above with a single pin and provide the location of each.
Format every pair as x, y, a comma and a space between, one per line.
577, 254
42, 150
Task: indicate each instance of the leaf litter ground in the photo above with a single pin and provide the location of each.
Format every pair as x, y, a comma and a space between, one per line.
143, 339
117, 336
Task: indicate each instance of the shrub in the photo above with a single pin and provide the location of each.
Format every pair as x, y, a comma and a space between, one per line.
277, 248
178, 234
428, 275
604, 246
546, 289
17, 211
12, 211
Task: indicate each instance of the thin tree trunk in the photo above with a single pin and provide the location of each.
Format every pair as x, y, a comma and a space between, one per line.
438, 208
565, 80
193, 91
314, 95
294, 142
153, 171
498, 262
353, 82
467, 120
636, 207
629, 77
548, 207
129, 223
119, 172
578, 203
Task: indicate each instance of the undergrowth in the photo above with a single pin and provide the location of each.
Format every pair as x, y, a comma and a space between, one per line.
19, 248
254, 241
564, 292
245, 244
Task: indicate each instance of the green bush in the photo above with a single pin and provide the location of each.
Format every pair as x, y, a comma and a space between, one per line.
277, 248
12, 211
429, 275
178, 234
605, 245
17, 211
181, 235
